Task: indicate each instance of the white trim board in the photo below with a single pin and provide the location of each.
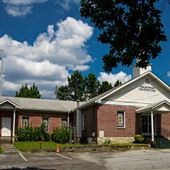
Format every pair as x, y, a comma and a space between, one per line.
133, 80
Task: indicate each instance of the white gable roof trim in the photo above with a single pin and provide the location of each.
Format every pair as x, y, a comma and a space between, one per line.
99, 98
133, 80
10, 102
155, 106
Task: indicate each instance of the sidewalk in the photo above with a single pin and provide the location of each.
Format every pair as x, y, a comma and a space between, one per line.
9, 149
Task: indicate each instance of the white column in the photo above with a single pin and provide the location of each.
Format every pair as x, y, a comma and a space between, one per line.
68, 120
79, 123
13, 127
152, 126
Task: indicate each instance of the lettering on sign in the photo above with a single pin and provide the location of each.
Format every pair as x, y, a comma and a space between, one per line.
147, 88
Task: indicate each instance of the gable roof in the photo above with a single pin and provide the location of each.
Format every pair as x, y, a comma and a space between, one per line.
10, 102
153, 106
113, 90
40, 104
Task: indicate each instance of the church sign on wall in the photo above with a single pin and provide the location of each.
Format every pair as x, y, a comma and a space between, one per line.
147, 88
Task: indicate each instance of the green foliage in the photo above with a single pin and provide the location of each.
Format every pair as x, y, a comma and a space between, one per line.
118, 83
1, 150
139, 138
107, 142
28, 92
105, 86
61, 135
91, 86
75, 89
131, 29
28, 146
32, 134
76, 86
81, 88
62, 93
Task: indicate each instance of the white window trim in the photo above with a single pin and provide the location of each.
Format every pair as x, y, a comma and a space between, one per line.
63, 119
22, 121
47, 122
123, 127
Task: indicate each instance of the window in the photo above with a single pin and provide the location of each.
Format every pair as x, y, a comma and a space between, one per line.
64, 123
120, 119
25, 122
147, 81
45, 122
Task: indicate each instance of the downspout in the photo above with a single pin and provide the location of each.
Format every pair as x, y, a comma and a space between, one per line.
152, 127
13, 127
68, 119
78, 123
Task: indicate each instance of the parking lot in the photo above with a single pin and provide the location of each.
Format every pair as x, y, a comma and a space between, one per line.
134, 159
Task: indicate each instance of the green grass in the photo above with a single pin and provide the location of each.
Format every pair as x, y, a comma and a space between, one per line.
29, 146
128, 144
1, 150
51, 146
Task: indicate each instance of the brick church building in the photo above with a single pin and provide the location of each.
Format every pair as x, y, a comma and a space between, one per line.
139, 106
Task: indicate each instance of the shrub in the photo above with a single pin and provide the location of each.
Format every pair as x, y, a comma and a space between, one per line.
32, 134
61, 135
139, 138
106, 142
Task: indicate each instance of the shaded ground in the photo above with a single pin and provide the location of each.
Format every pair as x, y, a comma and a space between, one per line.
130, 160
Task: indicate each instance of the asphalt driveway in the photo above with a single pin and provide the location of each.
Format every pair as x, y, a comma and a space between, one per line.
130, 160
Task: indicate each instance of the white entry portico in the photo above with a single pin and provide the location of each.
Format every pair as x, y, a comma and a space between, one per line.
153, 110
8, 119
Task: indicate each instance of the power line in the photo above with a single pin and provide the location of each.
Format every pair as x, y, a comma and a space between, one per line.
1, 71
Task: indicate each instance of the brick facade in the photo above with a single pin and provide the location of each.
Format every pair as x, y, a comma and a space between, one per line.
165, 125
35, 119
107, 120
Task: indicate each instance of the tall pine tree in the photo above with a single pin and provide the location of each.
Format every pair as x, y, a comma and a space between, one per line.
28, 92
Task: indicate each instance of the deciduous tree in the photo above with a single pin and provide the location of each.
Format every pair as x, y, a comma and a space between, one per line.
91, 86
131, 28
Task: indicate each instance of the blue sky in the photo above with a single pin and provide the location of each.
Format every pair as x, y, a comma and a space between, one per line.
44, 41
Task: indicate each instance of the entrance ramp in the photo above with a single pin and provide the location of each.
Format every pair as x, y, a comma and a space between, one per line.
162, 143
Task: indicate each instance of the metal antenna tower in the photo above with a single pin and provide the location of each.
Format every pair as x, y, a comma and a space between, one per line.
1, 71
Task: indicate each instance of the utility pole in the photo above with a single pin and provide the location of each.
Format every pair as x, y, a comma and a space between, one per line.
1, 71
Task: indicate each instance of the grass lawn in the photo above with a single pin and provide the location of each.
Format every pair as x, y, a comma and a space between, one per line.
27, 146
129, 144
51, 146
0, 150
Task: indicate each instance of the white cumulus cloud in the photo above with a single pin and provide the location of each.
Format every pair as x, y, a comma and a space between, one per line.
112, 78
48, 60
168, 73
20, 7
66, 4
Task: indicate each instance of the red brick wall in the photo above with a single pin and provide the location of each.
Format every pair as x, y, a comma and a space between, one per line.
35, 119
107, 120
165, 125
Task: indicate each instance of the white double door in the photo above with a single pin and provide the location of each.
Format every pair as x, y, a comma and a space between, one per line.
6, 126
